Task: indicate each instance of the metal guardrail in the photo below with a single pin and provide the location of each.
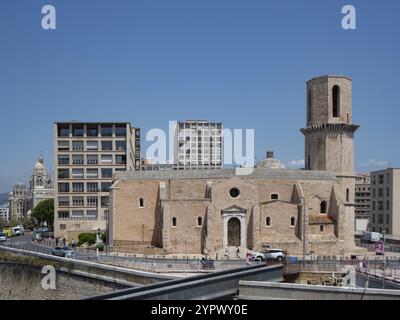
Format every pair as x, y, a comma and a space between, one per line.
390, 245
147, 263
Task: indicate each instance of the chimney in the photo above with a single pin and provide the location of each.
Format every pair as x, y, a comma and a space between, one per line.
270, 154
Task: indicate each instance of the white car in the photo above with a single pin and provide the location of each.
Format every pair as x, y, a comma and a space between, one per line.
18, 231
269, 254
3, 237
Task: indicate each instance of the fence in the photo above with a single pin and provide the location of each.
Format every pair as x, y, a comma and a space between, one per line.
383, 267
149, 263
390, 245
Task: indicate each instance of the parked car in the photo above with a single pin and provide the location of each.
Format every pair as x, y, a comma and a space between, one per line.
65, 252
18, 231
3, 237
268, 254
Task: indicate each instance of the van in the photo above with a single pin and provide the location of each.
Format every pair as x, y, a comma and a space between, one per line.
7, 231
18, 231
371, 237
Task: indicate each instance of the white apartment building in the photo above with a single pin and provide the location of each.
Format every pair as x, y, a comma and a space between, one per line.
362, 201
198, 145
385, 201
5, 212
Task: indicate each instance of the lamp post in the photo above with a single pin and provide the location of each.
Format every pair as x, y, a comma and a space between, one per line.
384, 262
304, 231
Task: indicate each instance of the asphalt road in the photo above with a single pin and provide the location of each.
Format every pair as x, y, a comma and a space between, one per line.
25, 242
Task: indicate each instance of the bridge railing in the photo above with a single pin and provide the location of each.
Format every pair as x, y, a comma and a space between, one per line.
149, 263
388, 267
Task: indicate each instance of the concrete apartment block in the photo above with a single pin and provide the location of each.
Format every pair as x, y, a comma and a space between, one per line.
87, 155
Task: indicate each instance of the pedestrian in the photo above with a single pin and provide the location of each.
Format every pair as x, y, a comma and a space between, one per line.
237, 251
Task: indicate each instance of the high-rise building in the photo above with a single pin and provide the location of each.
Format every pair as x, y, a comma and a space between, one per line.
86, 157
4, 212
385, 201
198, 145
362, 201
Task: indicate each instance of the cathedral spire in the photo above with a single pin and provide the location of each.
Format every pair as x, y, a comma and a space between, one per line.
41, 159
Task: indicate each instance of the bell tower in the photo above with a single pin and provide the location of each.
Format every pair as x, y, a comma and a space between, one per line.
329, 135
329, 146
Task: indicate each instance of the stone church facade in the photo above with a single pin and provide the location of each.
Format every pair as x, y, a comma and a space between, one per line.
216, 211
23, 199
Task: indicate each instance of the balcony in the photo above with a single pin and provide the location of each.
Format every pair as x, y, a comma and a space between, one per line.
78, 218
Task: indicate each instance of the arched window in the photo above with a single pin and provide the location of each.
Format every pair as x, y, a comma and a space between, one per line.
141, 203
268, 221
199, 221
336, 101
274, 196
323, 207
174, 221
347, 195
292, 221
39, 181
309, 104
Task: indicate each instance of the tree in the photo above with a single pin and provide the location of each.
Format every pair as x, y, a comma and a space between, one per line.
44, 212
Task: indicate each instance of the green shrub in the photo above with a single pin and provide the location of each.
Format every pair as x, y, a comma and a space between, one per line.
89, 238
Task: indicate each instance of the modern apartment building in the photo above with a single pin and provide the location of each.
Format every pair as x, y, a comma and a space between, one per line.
86, 157
198, 145
362, 201
4, 212
385, 201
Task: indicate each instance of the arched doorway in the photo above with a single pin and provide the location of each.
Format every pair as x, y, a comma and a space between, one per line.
234, 232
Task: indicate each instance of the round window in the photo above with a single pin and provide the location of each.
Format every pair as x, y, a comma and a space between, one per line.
234, 193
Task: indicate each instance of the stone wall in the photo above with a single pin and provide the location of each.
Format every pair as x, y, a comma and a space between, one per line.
23, 282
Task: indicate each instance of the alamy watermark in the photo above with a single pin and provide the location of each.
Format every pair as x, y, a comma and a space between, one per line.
49, 280
225, 145
49, 17
349, 20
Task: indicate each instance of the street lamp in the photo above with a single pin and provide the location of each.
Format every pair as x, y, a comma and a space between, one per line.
304, 230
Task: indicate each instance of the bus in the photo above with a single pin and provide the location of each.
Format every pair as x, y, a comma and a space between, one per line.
7, 230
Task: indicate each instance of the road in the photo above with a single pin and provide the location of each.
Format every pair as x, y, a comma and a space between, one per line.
141, 263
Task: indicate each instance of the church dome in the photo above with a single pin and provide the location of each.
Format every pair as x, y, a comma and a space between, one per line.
270, 162
39, 166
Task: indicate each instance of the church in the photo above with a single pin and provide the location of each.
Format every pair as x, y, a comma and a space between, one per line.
308, 210
23, 199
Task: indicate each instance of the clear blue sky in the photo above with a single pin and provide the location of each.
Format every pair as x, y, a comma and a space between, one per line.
244, 63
